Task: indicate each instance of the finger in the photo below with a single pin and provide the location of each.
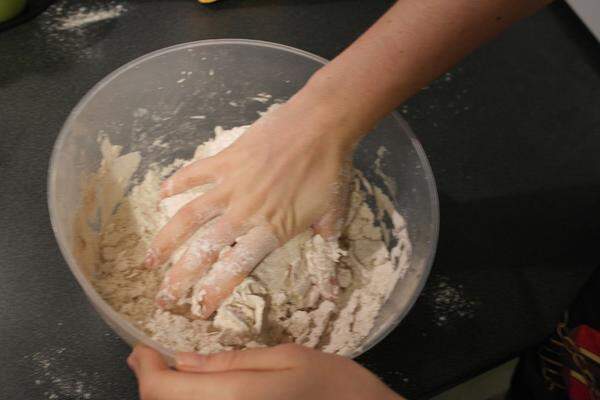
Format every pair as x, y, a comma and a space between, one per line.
331, 224
176, 385
196, 260
195, 174
182, 226
264, 359
157, 382
234, 266
145, 360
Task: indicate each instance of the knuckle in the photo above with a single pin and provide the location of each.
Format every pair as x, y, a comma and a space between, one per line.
238, 211
193, 213
205, 206
187, 211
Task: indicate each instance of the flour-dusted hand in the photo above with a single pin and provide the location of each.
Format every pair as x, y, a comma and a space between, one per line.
289, 172
285, 372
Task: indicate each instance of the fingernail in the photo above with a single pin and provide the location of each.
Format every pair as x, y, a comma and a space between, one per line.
164, 299
150, 260
190, 360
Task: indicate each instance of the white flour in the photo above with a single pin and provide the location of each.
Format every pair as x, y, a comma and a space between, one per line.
85, 16
288, 297
67, 15
59, 381
75, 31
450, 303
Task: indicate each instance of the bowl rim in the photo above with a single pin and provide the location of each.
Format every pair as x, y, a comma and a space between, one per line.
97, 300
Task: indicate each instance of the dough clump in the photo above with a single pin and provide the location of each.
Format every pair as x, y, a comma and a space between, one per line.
321, 294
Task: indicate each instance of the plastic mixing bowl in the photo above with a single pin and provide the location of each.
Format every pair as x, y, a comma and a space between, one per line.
180, 93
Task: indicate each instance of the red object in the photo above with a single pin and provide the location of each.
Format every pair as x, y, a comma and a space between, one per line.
585, 354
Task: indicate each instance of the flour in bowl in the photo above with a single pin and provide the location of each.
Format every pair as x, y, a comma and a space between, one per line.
321, 294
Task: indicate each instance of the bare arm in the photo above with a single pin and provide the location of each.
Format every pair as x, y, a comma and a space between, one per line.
294, 156
259, 206
411, 45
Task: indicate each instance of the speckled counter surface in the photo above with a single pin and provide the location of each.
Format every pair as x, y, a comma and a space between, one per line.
512, 133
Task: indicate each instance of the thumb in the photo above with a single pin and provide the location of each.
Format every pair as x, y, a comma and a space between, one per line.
264, 359
144, 361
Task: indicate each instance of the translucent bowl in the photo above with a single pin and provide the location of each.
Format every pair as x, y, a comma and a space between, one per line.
182, 92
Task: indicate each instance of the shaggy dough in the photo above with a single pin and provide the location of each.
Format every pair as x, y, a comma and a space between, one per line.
313, 292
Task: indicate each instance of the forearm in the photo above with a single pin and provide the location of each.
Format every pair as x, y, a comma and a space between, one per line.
412, 44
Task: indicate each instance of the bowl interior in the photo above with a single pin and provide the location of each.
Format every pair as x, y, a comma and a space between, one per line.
179, 94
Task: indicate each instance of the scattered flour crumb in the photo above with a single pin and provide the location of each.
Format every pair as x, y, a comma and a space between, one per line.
57, 377
262, 97
449, 303
85, 16
70, 27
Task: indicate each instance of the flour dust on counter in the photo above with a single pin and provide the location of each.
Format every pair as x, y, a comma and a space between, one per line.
449, 302
70, 26
52, 372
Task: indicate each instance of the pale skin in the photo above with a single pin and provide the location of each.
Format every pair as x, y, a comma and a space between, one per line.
294, 177
287, 372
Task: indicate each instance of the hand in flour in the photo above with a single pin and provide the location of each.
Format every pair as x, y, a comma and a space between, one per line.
290, 171
287, 172
289, 372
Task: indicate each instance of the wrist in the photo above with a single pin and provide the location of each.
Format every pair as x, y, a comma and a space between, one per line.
334, 108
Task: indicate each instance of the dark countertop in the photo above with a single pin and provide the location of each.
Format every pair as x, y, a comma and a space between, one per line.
512, 133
